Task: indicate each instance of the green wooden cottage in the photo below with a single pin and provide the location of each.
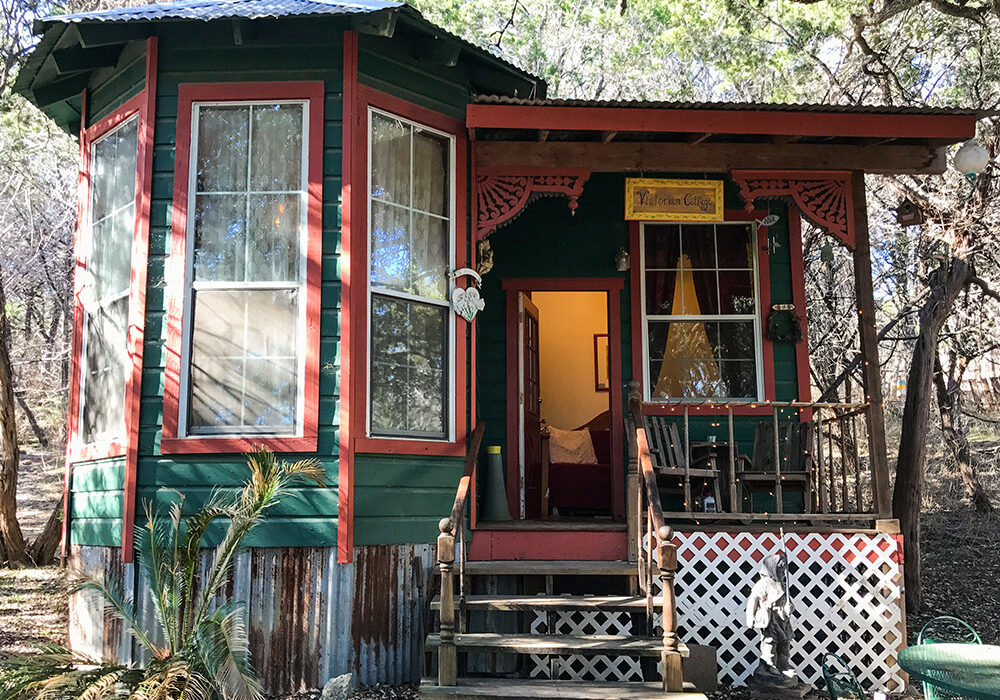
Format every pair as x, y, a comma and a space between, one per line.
552, 354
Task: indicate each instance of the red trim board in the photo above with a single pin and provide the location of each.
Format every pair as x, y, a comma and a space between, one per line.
764, 285
799, 299
722, 121
313, 91
612, 286
345, 480
549, 545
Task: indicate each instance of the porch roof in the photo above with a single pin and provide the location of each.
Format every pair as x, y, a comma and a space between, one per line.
697, 136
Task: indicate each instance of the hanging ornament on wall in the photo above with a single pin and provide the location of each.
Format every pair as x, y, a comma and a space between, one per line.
783, 324
484, 256
467, 302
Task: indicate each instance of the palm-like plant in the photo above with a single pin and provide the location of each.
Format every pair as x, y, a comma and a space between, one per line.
201, 647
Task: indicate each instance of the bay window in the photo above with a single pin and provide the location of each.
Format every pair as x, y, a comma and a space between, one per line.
247, 236
411, 205
701, 318
108, 232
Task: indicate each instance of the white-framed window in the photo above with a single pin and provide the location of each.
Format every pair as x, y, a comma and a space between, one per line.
700, 311
109, 229
411, 243
243, 353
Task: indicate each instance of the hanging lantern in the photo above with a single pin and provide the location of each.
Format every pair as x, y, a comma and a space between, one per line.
622, 260
971, 159
826, 253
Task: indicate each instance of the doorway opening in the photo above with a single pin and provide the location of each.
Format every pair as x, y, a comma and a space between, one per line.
565, 463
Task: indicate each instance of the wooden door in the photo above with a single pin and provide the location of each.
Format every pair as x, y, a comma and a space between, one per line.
530, 412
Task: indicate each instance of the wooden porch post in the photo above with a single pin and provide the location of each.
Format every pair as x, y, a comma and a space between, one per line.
871, 369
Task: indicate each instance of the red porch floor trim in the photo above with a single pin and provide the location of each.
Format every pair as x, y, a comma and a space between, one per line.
554, 545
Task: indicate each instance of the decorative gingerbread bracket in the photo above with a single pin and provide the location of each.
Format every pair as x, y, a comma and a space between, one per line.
502, 195
823, 196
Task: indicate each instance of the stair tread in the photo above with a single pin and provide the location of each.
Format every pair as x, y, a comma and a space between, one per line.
518, 689
555, 643
553, 602
555, 568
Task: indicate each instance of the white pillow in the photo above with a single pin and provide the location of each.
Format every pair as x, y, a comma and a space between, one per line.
571, 447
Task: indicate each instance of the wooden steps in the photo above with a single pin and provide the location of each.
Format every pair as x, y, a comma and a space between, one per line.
555, 602
520, 689
584, 645
524, 567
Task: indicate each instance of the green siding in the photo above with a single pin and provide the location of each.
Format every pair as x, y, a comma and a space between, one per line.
120, 85
96, 490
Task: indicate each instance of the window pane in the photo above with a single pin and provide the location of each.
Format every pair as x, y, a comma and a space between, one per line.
274, 238
243, 360
663, 246
736, 341
103, 400
700, 297
735, 247
736, 292
111, 254
390, 247
694, 359
390, 160
431, 166
698, 244
663, 294
223, 144
739, 379
220, 237
429, 257
113, 171
408, 376
276, 151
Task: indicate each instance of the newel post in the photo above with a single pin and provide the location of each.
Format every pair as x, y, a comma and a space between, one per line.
670, 657
447, 653
633, 479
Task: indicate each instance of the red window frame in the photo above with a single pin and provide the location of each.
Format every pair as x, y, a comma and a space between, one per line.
176, 275
135, 107
363, 443
764, 286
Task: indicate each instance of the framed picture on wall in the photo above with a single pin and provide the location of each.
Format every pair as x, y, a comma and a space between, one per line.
602, 368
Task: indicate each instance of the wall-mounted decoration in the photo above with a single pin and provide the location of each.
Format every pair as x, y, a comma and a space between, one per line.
783, 324
484, 256
602, 364
657, 199
909, 214
467, 302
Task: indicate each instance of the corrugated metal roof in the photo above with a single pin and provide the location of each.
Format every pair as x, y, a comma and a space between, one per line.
731, 106
228, 9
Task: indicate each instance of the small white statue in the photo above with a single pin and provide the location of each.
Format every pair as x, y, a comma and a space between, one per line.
769, 609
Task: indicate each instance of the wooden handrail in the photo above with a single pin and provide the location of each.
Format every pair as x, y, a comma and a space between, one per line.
454, 521
664, 533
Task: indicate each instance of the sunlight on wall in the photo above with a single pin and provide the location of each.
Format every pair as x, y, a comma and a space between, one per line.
567, 322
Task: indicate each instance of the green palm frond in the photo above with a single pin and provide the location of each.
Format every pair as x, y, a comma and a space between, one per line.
223, 647
173, 679
57, 673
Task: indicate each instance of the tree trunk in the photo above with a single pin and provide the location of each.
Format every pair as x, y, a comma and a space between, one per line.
43, 549
12, 547
945, 285
949, 398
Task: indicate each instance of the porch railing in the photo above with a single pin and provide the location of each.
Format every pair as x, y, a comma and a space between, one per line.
451, 528
817, 448
654, 535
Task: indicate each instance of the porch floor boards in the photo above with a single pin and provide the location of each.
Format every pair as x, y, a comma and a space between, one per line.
555, 602
584, 645
530, 567
518, 689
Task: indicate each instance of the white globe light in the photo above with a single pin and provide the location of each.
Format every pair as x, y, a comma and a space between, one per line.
971, 158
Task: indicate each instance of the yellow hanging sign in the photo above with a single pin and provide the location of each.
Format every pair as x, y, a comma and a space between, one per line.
657, 199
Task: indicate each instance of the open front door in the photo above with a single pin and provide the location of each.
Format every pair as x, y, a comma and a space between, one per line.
529, 411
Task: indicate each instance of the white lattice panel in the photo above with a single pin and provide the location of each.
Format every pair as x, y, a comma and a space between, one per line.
584, 668
846, 589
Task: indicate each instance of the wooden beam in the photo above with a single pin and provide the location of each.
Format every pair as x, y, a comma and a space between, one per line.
686, 157
60, 89
376, 24
77, 59
871, 378
93, 35
723, 121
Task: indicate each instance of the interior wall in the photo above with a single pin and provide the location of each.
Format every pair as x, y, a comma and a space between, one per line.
567, 322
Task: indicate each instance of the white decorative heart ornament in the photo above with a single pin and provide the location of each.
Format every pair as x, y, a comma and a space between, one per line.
467, 302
